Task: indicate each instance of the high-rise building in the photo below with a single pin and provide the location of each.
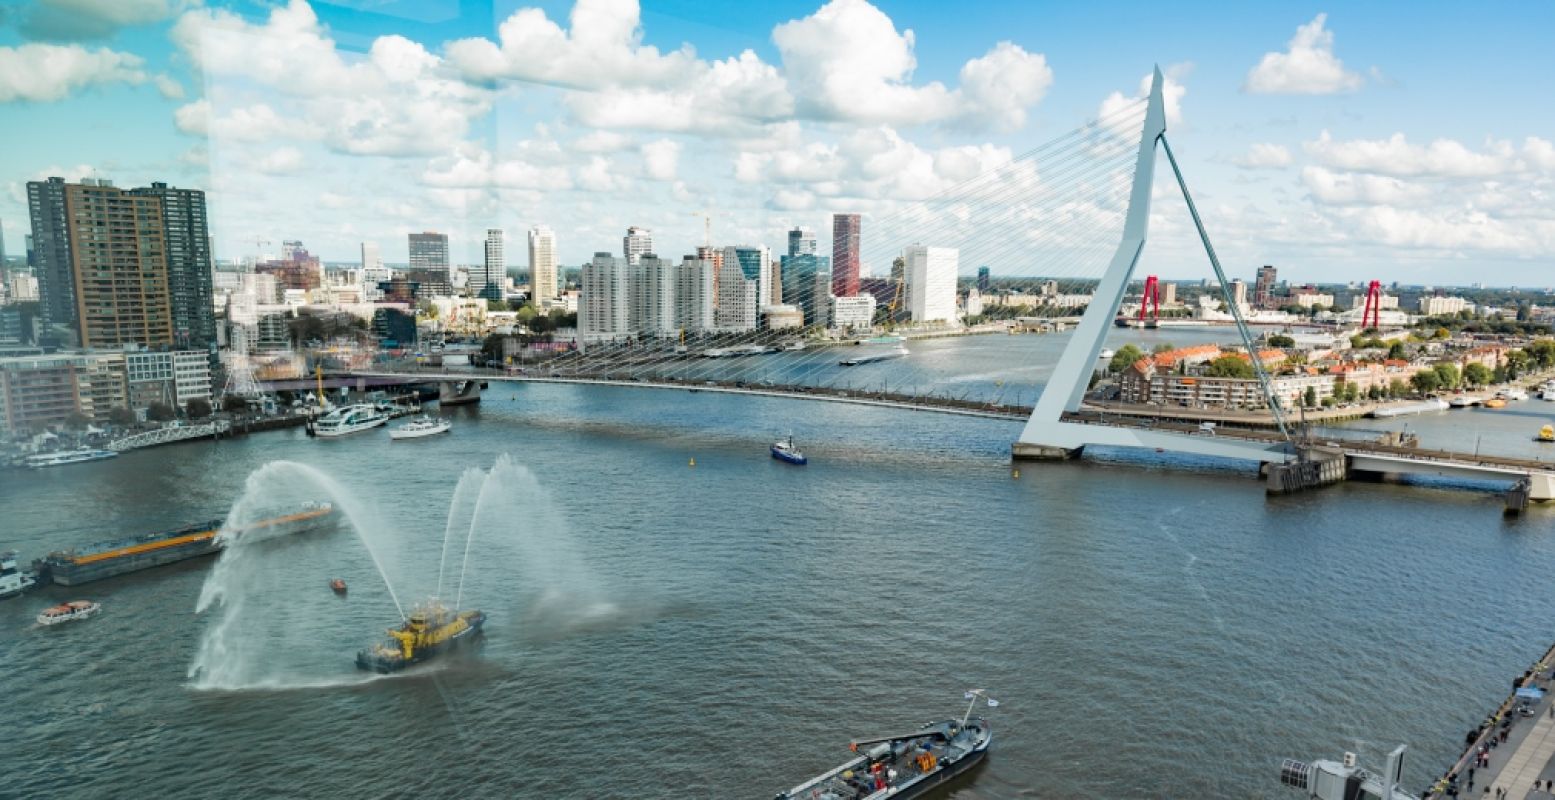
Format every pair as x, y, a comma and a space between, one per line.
2, 245
846, 230
429, 262
119, 263
737, 296
372, 257
23, 287
32, 259
694, 295
51, 251
495, 267
37, 392
800, 288
1239, 293
984, 280
855, 313
653, 295
604, 303
714, 256
931, 283
187, 233
636, 242
801, 241
1263, 286
543, 284
1168, 294
755, 263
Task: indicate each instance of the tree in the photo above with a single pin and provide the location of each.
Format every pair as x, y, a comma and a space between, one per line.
198, 408
1309, 397
160, 412
1441, 333
77, 420
121, 416
1425, 381
1126, 355
1329, 402
526, 314
234, 404
1229, 367
1447, 375
1476, 374
1281, 340
1517, 362
1164, 347
1396, 350
1374, 393
1542, 352
1397, 388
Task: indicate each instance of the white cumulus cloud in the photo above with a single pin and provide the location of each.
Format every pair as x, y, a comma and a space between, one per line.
1264, 155
1308, 66
45, 72
1396, 156
661, 159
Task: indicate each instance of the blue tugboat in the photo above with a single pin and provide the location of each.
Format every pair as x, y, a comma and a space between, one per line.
907, 765
784, 450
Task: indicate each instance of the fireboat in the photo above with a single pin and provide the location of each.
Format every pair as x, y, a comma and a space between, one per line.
430, 630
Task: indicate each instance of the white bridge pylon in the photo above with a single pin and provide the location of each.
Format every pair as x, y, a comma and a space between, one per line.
1047, 435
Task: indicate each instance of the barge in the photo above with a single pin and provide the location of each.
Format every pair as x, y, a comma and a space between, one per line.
120, 556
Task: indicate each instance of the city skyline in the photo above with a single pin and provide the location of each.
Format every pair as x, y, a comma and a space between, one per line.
1313, 140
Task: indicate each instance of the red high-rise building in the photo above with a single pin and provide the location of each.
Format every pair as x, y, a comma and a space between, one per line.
845, 233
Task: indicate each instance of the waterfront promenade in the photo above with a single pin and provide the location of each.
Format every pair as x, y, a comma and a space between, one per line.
1518, 764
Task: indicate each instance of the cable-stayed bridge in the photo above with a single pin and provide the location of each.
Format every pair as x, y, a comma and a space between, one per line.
1073, 213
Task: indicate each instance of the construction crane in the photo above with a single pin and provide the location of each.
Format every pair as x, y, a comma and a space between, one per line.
707, 227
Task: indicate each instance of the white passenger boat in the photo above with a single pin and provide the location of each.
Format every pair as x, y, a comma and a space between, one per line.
1512, 394
1464, 401
61, 459
12, 580
69, 612
421, 426
347, 420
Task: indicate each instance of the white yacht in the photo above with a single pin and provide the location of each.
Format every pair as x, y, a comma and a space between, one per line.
68, 457
421, 426
1547, 391
1106, 354
12, 580
347, 420
1512, 394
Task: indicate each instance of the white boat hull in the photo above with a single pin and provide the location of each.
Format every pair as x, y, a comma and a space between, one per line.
419, 433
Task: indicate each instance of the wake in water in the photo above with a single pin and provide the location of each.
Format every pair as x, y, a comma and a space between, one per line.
504, 550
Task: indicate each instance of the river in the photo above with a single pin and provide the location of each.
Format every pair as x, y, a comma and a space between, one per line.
1152, 628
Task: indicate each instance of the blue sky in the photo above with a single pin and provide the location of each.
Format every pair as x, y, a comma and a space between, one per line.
1398, 141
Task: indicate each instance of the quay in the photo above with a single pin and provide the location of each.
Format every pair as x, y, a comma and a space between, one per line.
1524, 759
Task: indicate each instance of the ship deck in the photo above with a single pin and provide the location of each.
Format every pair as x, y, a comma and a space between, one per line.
853, 780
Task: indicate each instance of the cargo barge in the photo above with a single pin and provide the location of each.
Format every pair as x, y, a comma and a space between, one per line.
108, 559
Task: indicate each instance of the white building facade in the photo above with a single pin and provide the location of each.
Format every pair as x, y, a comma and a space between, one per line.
543, 283
931, 282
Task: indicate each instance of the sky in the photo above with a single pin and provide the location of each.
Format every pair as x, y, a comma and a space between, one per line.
1406, 142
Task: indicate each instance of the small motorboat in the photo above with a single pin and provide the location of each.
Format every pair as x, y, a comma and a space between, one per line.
784, 450
1546, 434
1495, 402
421, 426
338, 585
69, 612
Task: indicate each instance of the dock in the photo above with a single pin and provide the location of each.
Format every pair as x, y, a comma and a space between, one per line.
1524, 758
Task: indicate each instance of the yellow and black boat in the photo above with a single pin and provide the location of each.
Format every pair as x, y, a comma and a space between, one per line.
429, 631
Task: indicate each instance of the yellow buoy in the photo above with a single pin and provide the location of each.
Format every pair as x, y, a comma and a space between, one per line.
693, 463
1014, 473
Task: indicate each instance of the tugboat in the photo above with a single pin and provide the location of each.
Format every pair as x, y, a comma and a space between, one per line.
12, 580
907, 765
784, 450
67, 612
431, 630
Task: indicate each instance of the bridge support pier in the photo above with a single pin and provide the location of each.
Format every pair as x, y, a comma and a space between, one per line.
1028, 451
458, 393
